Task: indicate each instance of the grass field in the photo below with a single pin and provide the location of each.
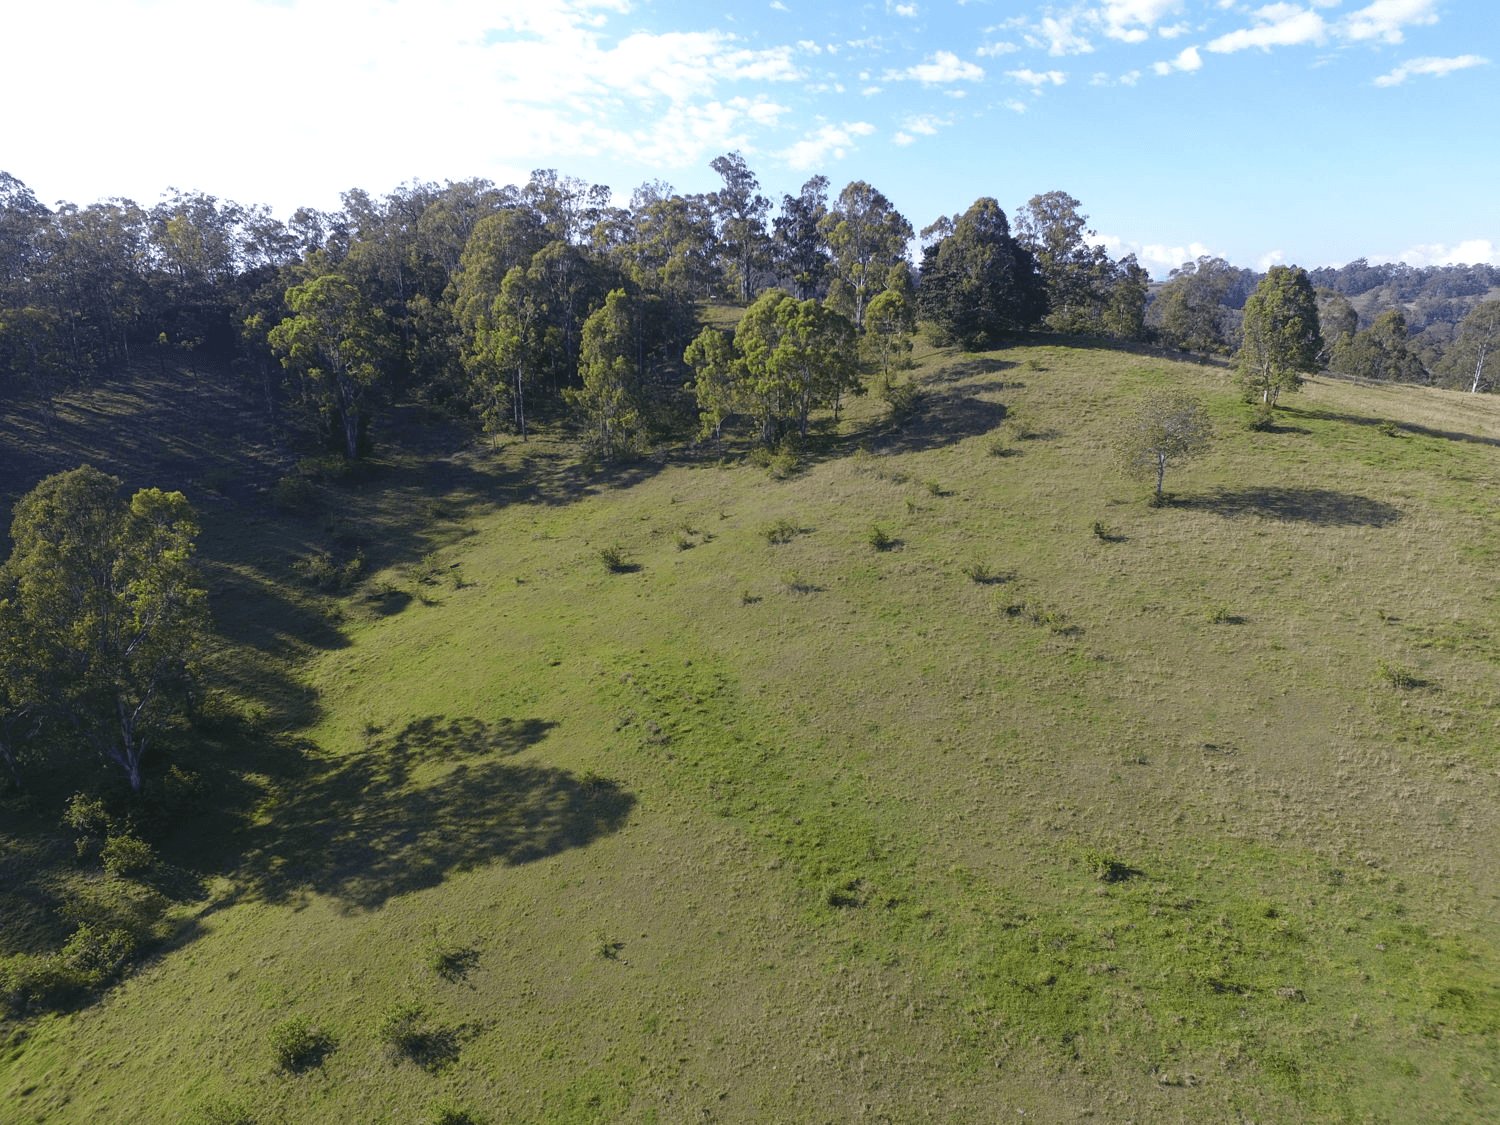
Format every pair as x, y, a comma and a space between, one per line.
937, 779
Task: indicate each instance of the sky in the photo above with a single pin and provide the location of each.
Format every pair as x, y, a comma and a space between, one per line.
1308, 133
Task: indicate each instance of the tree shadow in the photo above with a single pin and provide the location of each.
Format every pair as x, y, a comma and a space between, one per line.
1321, 506
1406, 427
418, 804
944, 418
971, 366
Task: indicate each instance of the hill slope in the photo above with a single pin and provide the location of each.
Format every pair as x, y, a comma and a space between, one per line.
1057, 804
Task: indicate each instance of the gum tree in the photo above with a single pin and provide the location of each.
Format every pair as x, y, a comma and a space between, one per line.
1281, 337
1168, 427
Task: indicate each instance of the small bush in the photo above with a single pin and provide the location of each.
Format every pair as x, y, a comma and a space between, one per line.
1104, 866
295, 494
297, 1045
126, 856
1397, 675
933, 487
976, 570
1219, 615
683, 541
784, 465
405, 1029
782, 531
794, 582
426, 572
999, 447
449, 1112
328, 574
1390, 429
1034, 364
879, 538
902, 399
1262, 418
613, 558
1104, 534
450, 960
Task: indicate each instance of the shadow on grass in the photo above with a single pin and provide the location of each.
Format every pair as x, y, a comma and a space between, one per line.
1321, 506
418, 804
1402, 427
943, 418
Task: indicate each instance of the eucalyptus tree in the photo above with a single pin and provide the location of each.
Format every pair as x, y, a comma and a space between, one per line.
799, 246
104, 595
1189, 310
740, 214
338, 344
1167, 427
866, 236
1470, 361
1280, 336
1078, 276
610, 399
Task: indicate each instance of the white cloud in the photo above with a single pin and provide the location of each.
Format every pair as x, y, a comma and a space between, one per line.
1276, 25
1438, 68
778, 6
1037, 79
925, 123
1474, 251
907, 11
555, 78
1173, 31
1060, 35
1267, 260
1164, 257
828, 142
1384, 19
1015, 105
1132, 20
944, 66
1187, 59
871, 91
996, 49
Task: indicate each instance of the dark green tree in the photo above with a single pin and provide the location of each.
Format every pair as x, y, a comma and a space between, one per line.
801, 250
740, 211
610, 399
111, 610
1077, 276
1280, 337
1380, 352
977, 282
337, 343
1470, 361
1189, 310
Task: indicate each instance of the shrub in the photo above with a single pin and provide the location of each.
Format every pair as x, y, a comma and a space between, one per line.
981, 572
295, 494
1389, 429
126, 856
405, 1029
613, 558
450, 960
1102, 533
1104, 866
1262, 418
297, 1045
933, 487
1397, 675
879, 538
782, 531
449, 1112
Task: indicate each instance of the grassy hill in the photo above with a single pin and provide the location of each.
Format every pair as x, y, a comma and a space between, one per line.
1038, 802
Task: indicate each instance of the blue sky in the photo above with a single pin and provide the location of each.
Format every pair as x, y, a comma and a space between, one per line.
1311, 132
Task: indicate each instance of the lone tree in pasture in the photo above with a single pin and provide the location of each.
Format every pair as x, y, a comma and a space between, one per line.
1168, 427
1282, 341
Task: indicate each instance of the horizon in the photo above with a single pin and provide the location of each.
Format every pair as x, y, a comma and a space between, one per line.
934, 105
